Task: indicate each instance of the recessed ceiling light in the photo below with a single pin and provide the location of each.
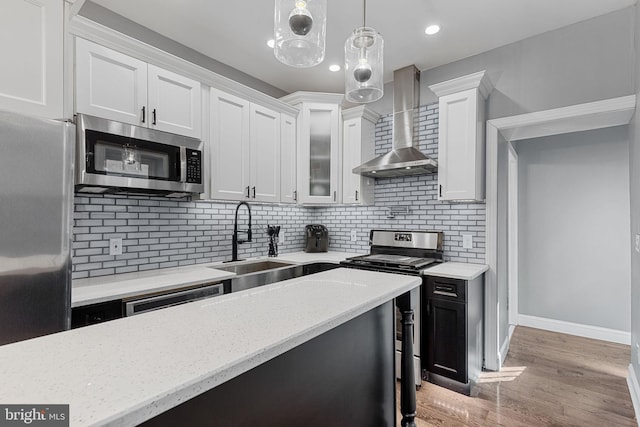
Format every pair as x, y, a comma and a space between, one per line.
271, 43
432, 29
335, 68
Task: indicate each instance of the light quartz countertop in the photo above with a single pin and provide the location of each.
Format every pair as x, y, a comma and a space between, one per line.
129, 370
457, 270
107, 288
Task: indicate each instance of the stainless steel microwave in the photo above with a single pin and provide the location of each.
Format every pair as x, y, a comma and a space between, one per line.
114, 157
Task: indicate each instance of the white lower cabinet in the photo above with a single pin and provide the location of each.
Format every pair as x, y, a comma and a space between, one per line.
115, 86
358, 130
244, 150
31, 45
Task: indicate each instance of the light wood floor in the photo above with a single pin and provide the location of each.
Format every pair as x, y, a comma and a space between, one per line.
549, 379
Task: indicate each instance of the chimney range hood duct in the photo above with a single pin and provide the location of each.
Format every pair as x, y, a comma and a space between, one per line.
405, 159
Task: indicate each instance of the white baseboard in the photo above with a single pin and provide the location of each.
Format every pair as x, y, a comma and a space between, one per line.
634, 390
595, 332
504, 348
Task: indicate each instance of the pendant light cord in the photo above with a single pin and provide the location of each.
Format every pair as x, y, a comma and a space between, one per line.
364, 13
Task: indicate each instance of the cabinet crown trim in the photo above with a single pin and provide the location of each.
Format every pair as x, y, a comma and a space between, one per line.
361, 111
479, 80
296, 98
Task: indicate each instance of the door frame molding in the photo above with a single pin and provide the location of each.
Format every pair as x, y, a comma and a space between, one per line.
575, 118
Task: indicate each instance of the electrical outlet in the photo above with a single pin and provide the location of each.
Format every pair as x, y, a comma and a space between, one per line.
115, 246
467, 241
638, 242
354, 235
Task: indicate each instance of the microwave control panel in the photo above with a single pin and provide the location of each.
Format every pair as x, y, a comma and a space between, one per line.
194, 166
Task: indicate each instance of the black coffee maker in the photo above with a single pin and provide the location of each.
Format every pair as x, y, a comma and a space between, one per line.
316, 238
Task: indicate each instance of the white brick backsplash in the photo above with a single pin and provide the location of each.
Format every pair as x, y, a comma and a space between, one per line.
160, 233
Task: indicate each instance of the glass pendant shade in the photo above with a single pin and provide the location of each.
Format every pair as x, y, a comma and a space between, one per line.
363, 67
300, 32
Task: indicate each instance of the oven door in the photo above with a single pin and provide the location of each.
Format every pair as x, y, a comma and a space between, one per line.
416, 297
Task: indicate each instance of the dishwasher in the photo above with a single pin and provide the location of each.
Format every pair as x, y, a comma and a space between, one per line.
115, 309
138, 305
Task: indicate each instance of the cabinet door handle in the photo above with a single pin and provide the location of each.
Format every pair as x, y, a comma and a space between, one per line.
446, 290
295, 195
254, 192
428, 308
248, 192
356, 195
154, 117
144, 114
335, 196
441, 191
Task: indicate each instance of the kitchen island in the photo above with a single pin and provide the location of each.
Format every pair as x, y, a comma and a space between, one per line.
146, 367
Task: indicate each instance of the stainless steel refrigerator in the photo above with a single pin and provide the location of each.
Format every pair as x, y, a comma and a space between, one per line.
36, 214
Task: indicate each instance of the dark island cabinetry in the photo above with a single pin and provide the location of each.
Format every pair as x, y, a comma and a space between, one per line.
454, 332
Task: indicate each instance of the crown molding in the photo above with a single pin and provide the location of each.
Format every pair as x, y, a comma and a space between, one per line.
361, 111
296, 98
479, 80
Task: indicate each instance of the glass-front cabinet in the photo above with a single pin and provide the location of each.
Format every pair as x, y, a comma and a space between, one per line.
319, 146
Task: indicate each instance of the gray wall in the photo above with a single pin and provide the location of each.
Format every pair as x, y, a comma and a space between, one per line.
583, 62
634, 172
573, 196
109, 19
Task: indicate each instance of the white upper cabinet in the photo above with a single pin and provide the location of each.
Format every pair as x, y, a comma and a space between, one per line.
245, 150
359, 126
288, 159
319, 146
110, 84
31, 45
119, 87
461, 140
265, 154
229, 148
174, 102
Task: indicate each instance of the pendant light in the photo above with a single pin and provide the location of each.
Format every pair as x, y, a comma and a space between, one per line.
299, 32
363, 64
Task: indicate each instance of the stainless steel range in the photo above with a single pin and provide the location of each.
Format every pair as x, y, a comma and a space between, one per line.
405, 252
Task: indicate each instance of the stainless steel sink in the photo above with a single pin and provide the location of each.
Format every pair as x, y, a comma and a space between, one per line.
247, 267
251, 274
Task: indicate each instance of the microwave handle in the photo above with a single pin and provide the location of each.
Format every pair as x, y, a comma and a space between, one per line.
183, 164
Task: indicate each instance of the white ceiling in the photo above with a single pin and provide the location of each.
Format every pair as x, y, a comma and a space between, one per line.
235, 32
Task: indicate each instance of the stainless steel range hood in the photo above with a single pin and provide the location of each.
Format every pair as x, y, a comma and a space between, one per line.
405, 158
